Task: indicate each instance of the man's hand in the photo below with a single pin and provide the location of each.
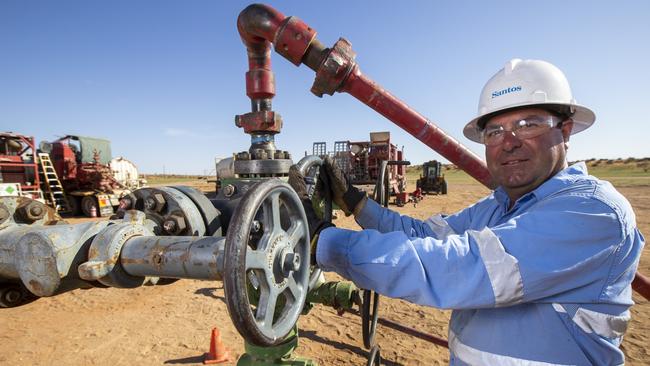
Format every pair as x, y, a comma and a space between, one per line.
344, 194
316, 225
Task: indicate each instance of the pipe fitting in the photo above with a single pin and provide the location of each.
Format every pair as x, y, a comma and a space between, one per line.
335, 68
260, 121
293, 39
103, 263
258, 23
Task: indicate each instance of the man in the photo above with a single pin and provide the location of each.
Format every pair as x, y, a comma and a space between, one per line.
539, 271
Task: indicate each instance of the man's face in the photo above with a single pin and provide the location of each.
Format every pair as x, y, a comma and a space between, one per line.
521, 165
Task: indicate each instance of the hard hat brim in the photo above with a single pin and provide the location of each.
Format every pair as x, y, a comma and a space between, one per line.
582, 117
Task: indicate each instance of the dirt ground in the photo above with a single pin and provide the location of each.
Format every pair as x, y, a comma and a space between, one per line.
171, 324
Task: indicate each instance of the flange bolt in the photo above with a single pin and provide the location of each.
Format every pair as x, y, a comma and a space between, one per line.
174, 225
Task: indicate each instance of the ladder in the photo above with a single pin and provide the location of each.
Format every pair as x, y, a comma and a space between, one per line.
54, 188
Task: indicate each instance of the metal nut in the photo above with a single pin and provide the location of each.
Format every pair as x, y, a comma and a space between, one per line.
155, 202
32, 211
36, 211
174, 224
229, 190
126, 203
291, 262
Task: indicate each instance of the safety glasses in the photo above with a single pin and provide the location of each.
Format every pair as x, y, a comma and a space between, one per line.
527, 128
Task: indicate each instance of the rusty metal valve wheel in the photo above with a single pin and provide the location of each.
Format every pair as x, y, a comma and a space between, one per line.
267, 248
309, 167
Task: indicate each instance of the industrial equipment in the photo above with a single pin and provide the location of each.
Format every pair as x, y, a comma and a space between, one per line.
72, 174
126, 173
262, 255
361, 160
432, 180
253, 236
19, 165
337, 71
82, 166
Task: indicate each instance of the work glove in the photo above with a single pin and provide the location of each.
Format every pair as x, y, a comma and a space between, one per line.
316, 224
349, 198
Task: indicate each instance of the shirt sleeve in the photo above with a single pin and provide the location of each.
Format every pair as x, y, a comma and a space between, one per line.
549, 253
374, 216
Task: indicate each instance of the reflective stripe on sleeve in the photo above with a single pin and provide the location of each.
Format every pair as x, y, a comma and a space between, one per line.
439, 226
472, 356
601, 324
502, 268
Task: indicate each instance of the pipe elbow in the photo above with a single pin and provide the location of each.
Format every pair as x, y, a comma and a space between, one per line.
258, 23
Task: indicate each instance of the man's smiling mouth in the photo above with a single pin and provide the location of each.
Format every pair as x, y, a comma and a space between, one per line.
514, 162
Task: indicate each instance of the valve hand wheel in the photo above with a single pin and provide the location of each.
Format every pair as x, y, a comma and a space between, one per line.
370, 304
309, 167
369, 315
267, 260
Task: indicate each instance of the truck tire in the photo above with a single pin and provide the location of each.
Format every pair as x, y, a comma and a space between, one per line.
74, 203
443, 189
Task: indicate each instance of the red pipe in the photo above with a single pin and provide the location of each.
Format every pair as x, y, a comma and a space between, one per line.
377, 98
336, 70
641, 284
256, 26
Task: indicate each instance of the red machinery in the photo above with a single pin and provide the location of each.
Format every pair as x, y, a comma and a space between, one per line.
82, 165
369, 155
361, 160
18, 163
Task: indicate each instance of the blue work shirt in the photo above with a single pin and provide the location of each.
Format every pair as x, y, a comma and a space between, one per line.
544, 282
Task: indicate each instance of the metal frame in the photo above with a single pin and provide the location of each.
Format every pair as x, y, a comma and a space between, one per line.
33, 189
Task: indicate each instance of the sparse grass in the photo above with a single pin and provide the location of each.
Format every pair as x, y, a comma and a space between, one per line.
159, 179
628, 172
452, 175
622, 174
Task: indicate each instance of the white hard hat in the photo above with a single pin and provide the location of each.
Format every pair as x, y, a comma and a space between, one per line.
523, 83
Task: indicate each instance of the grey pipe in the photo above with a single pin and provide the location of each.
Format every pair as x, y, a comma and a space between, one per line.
199, 258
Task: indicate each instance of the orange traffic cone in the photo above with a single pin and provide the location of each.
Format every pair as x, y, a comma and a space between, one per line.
218, 352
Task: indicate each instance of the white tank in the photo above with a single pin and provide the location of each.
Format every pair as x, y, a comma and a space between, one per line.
126, 172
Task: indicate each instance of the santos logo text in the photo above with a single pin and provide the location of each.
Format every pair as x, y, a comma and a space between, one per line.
505, 91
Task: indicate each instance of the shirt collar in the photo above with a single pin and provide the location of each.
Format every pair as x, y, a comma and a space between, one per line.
560, 180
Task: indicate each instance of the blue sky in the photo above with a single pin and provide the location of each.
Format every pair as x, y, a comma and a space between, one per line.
163, 80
